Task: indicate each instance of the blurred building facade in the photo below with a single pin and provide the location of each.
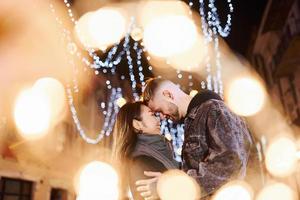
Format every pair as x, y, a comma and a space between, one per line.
34, 172
47, 168
276, 55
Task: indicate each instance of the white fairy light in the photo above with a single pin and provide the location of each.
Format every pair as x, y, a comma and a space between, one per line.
131, 75
202, 84
109, 119
190, 77
176, 131
114, 57
97, 62
211, 27
112, 108
139, 62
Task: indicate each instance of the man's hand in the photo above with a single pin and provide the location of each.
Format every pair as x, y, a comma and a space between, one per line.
147, 187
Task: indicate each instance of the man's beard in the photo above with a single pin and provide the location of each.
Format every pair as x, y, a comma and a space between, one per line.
174, 112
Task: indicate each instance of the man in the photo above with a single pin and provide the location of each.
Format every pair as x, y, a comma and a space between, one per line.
217, 145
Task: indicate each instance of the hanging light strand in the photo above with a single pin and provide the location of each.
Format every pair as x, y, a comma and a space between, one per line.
110, 62
211, 28
112, 108
139, 52
132, 76
109, 119
97, 62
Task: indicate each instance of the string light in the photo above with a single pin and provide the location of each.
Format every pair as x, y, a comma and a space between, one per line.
109, 119
213, 20
114, 57
193, 93
190, 77
176, 131
131, 73
139, 62
97, 62
211, 28
112, 108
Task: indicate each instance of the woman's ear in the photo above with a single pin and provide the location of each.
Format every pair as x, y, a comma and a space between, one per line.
137, 124
168, 94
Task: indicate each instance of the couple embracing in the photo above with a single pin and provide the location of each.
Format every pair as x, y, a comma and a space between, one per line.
217, 148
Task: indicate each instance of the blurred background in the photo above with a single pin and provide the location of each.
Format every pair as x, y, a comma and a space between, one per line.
67, 66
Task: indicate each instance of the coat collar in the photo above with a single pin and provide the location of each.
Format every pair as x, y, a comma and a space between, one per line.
198, 100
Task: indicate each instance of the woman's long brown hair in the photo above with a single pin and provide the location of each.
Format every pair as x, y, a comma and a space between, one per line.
125, 137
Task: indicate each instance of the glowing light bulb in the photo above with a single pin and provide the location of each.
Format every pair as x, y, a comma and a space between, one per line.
101, 28
193, 93
98, 180
276, 191
54, 91
137, 34
192, 58
169, 35
107, 26
173, 182
121, 102
246, 96
82, 31
168, 136
32, 114
281, 157
236, 190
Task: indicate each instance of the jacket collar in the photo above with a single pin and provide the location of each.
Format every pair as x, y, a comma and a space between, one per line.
199, 99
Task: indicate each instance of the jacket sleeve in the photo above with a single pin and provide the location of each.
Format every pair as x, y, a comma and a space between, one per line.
228, 149
138, 166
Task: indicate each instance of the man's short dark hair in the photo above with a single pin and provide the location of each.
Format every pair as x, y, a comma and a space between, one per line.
152, 85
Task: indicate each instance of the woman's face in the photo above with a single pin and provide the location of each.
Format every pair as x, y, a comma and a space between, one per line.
150, 123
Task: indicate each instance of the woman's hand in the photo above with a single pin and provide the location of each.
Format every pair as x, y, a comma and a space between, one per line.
147, 187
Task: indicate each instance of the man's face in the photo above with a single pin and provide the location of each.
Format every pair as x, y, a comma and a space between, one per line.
165, 107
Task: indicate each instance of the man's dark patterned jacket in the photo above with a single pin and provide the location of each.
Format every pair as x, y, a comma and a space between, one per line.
217, 146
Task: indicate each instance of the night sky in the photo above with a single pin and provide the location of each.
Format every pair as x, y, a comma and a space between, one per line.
245, 21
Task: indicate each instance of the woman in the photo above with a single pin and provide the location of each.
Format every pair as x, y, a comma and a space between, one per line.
139, 145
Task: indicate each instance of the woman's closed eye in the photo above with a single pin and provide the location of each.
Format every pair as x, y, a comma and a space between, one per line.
152, 113
156, 114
